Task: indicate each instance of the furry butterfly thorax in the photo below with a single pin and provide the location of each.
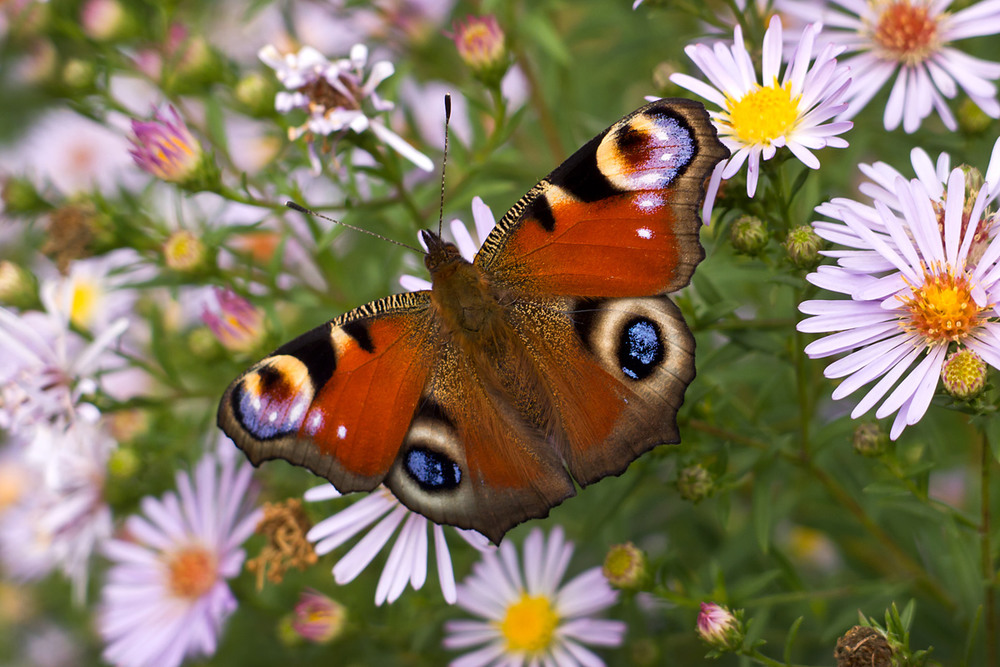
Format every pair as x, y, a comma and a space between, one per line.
553, 357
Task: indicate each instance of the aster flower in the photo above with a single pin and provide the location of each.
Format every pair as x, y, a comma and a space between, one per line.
529, 619
911, 40
719, 628
922, 270
333, 93
757, 119
166, 596
93, 292
484, 221
480, 44
165, 148
46, 369
407, 562
60, 516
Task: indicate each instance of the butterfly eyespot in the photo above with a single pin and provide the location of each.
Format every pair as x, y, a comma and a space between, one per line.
640, 348
271, 401
431, 470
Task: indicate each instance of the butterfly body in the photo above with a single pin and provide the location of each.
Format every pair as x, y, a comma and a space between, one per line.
554, 356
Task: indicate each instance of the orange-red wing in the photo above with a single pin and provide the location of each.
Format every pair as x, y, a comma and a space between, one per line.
339, 399
618, 218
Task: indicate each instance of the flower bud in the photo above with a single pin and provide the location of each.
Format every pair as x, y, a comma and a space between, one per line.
165, 148
20, 196
749, 235
694, 483
964, 374
972, 119
625, 566
237, 324
803, 245
480, 44
106, 20
317, 618
18, 286
870, 440
719, 628
256, 92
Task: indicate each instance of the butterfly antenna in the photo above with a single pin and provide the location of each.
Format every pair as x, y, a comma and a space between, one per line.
444, 158
302, 209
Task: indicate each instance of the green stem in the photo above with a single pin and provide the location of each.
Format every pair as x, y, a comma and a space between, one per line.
899, 560
986, 556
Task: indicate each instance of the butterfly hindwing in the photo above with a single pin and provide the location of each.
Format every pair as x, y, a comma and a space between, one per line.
340, 398
620, 217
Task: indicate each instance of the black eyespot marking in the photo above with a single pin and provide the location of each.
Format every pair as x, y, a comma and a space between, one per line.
359, 332
313, 349
640, 349
431, 470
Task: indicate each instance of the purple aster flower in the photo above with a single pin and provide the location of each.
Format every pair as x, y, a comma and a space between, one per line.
528, 618
911, 40
921, 269
756, 119
166, 596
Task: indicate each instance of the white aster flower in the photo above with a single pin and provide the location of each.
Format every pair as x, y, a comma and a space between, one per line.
46, 369
407, 562
529, 619
94, 292
922, 270
61, 516
166, 596
484, 221
759, 118
911, 40
333, 94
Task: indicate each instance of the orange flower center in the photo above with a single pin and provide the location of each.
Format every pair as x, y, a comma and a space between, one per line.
942, 309
906, 33
191, 572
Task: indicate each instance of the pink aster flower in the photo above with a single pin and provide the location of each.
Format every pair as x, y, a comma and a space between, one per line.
911, 40
528, 617
484, 221
166, 596
757, 119
407, 562
922, 270
334, 94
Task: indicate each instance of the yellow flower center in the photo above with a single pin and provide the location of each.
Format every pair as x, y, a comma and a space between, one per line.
191, 572
529, 624
764, 114
942, 309
906, 32
183, 251
86, 295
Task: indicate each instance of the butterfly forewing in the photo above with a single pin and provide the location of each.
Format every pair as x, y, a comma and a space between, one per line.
618, 218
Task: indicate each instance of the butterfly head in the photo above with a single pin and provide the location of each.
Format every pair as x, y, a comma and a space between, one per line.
440, 253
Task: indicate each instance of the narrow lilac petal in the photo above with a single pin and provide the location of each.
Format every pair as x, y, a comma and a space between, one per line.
463, 239
883, 385
446, 575
483, 218
897, 101
954, 203
909, 387
358, 558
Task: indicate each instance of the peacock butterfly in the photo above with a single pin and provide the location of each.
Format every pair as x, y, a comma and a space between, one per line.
554, 356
